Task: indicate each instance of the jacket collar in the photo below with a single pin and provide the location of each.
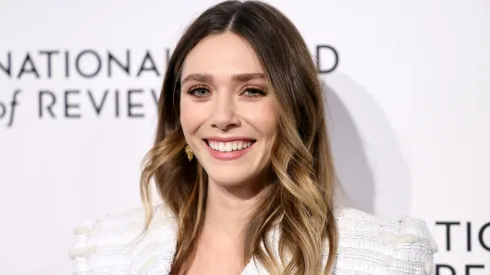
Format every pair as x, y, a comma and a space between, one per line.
153, 253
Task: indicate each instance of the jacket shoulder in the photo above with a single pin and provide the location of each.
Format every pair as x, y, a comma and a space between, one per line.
375, 245
104, 245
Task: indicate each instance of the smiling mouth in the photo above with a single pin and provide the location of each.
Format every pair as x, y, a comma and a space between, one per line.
229, 146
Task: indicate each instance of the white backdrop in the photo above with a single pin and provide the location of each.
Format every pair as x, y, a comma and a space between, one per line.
409, 103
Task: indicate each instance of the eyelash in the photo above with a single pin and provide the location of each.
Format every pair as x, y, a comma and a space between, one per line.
196, 88
258, 92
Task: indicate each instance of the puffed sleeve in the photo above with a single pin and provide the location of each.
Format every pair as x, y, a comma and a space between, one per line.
412, 244
374, 245
104, 245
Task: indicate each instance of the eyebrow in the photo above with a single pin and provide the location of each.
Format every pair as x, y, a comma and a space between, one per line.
236, 77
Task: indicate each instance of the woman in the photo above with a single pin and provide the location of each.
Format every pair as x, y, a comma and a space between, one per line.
243, 165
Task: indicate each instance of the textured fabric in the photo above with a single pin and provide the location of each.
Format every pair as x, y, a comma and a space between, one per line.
114, 245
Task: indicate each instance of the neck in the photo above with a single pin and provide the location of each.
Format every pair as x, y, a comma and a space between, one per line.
230, 209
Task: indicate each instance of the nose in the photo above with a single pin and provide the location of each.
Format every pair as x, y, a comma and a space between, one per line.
224, 116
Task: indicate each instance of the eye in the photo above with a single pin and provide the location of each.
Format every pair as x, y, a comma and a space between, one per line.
254, 92
199, 91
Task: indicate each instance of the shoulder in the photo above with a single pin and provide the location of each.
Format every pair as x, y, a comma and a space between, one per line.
106, 245
375, 245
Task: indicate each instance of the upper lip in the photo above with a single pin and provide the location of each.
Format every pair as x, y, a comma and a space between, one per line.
227, 139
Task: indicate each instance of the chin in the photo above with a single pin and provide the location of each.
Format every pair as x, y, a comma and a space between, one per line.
229, 178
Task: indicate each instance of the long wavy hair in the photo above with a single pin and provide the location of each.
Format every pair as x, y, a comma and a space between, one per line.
302, 196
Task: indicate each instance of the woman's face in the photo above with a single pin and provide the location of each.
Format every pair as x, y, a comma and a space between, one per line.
227, 112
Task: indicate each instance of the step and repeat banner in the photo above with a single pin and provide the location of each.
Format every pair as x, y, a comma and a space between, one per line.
408, 100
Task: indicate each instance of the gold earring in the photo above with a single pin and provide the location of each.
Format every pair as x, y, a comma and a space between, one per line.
188, 151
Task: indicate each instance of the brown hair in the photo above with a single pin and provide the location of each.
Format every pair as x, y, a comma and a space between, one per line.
302, 199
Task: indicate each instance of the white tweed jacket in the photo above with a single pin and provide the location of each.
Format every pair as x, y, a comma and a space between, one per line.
368, 244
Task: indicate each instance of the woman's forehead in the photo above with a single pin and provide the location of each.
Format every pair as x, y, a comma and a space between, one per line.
225, 54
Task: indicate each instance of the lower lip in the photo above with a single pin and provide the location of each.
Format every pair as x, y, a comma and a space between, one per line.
228, 155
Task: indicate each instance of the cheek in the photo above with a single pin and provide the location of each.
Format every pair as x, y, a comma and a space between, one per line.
191, 116
263, 117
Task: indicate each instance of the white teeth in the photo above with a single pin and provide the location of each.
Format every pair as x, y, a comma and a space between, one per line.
229, 146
